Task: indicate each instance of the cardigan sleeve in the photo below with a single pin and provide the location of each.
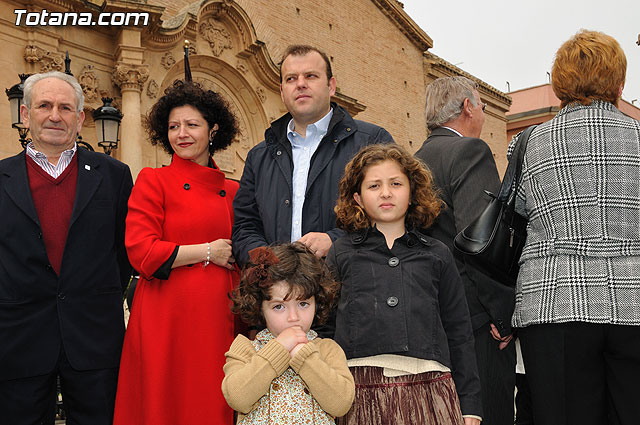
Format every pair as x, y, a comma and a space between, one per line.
322, 365
145, 247
248, 374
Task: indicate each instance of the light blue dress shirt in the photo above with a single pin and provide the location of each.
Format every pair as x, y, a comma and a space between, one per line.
303, 149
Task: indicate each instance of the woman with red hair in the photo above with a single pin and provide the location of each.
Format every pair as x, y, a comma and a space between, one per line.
578, 291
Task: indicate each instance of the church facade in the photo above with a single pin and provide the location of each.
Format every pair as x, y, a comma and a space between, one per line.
131, 50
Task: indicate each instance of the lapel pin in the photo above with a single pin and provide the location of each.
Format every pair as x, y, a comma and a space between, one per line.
87, 167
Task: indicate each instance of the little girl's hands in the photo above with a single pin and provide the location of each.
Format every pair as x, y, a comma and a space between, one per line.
296, 349
291, 337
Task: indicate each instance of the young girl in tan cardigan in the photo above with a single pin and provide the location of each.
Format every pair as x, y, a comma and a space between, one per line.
287, 375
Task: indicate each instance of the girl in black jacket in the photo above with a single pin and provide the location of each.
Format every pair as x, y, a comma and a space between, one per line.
402, 318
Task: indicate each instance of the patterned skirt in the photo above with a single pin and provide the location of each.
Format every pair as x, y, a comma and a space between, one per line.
427, 399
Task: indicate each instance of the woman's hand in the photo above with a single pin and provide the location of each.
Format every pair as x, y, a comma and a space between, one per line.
221, 254
471, 421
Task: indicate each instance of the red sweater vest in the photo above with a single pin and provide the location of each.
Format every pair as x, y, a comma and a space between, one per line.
53, 199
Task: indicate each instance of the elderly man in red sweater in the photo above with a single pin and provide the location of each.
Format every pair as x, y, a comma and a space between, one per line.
63, 264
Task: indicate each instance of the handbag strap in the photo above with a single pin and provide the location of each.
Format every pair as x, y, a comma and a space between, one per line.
511, 180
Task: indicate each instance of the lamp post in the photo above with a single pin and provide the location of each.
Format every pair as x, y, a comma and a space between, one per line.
15, 95
107, 119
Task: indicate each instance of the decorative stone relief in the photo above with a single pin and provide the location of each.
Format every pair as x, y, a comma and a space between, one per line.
89, 83
152, 89
261, 95
167, 60
217, 36
130, 77
242, 66
192, 49
49, 61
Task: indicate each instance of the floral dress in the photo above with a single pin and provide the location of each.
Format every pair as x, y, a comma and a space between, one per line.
288, 400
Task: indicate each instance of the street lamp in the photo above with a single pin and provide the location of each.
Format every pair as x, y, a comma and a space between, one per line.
107, 119
15, 95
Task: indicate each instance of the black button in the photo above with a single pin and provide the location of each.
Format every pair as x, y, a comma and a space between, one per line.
394, 261
49, 267
40, 235
61, 296
187, 186
223, 193
392, 301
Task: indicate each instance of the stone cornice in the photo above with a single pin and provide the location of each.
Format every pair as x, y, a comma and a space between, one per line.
258, 56
394, 10
438, 67
349, 103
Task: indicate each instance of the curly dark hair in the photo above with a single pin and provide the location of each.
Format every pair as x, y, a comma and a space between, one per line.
293, 263
210, 104
425, 203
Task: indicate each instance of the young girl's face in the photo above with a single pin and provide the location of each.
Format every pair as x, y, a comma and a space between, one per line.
385, 193
280, 314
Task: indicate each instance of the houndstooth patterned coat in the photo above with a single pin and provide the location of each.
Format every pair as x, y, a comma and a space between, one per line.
580, 190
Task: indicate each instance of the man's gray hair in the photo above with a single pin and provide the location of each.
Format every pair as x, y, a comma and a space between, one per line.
445, 98
31, 81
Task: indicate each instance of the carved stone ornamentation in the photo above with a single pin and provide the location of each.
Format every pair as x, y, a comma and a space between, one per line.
152, 89
130, 77
167, 60
89, 83
261, 95
49, 61
217, 36
192, 49
242, 67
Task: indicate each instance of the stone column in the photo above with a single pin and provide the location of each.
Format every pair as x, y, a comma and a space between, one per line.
129, 75
130, 79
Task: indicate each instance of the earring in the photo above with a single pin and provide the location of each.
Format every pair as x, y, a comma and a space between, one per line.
360, 214
212, 134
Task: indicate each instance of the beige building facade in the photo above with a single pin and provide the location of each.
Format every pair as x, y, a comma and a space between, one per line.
379, 56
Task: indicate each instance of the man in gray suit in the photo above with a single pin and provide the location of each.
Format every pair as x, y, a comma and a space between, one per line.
463, 168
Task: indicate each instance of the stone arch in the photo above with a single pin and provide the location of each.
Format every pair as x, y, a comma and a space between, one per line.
217, 75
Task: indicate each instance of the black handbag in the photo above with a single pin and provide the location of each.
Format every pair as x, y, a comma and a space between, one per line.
493, 242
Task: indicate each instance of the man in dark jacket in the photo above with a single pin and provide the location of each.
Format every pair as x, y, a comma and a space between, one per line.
463, 168
63, 265
290, 181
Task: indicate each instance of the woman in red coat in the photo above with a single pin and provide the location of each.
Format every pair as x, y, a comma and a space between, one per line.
178, 238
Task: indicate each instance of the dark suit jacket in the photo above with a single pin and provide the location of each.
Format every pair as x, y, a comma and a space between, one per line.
82, 308
463, 168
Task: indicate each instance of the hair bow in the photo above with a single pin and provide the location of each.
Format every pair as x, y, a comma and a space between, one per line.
261, 258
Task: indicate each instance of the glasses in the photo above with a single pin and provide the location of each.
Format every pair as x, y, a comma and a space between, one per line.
484, 106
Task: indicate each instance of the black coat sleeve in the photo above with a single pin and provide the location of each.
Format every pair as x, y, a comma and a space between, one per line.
472, 172
121, 251
454, 314
248, 231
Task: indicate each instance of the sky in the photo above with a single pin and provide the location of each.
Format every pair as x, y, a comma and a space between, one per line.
499, 41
